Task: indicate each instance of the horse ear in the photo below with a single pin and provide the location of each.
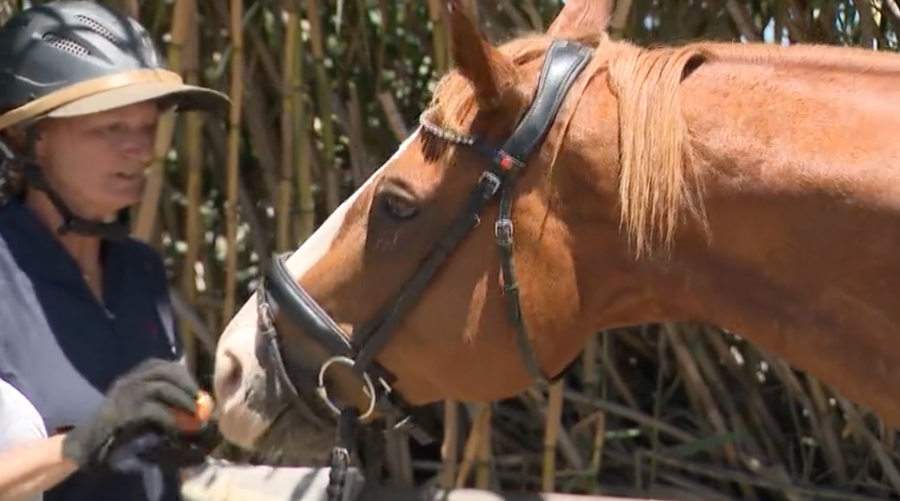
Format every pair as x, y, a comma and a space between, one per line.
581, 16
488, 70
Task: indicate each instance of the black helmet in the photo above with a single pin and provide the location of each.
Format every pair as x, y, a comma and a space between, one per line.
69, 58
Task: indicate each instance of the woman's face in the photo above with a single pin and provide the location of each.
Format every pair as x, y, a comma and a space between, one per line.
96, 162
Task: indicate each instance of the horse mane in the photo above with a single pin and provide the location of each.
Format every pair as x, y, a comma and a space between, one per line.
658, 181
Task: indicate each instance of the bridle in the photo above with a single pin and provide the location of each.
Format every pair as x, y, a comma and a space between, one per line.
564, 62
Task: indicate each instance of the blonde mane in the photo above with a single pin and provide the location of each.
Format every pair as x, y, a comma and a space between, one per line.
656, 181
658, 185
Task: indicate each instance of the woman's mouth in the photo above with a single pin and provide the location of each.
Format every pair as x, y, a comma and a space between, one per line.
129, 176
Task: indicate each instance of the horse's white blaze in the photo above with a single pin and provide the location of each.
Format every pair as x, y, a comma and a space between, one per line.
237, 344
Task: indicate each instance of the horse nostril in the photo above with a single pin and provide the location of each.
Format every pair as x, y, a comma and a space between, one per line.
228, 376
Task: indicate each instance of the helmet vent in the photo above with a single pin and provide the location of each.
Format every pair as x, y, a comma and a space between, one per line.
66, 44
97, 27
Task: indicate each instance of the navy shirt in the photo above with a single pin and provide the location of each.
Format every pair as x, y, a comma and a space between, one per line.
61, 349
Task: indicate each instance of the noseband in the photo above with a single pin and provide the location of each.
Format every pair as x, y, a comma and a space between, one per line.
564, 62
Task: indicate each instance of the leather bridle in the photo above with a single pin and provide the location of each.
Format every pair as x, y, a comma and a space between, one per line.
564, 62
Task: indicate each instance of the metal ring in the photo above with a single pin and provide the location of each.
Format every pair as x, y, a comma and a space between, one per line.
323, 393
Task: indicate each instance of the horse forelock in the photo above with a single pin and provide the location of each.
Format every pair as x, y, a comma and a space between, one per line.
453, 101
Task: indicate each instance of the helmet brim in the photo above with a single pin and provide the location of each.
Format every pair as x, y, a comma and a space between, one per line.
182, 97
114, 91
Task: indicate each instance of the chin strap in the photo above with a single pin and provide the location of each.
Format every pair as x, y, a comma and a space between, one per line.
115, 230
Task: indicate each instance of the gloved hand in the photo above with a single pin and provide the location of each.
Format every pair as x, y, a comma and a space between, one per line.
143, 401
184, 450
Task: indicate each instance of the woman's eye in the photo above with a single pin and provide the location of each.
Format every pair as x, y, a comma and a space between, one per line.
398, 207
108, 130
113, 129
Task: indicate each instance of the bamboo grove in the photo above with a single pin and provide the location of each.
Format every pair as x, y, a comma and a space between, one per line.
324, 91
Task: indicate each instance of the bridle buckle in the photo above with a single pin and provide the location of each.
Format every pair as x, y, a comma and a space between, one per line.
503, 231
491, 182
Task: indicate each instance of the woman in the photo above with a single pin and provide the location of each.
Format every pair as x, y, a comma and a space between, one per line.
88, 349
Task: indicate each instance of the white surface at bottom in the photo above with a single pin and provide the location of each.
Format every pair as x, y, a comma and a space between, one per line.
226, 482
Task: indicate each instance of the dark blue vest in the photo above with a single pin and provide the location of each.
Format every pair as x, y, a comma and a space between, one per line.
62, 349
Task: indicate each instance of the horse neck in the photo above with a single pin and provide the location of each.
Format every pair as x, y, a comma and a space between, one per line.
801, 175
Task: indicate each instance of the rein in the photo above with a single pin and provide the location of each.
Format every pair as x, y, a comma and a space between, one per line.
564, 62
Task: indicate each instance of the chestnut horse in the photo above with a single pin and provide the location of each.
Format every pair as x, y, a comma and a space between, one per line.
751, 186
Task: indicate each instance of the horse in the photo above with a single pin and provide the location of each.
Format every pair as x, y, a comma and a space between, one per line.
751, 186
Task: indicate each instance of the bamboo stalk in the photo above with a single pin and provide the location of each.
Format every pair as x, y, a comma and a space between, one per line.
440, 35
358, 163
399, 459
829, 435
472, 7
472, 450
268, 76
7, 8
551, 435
260, 74
217, 140
534, 17
323, 91
259, 123
306, 204
149, 206
394, 118
483, 455
590, 374
284, 213
130, 7
510, 9
193, 190
232, 161
564, 444
597, 449
449, 447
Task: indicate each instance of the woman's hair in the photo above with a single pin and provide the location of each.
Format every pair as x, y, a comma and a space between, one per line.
12, 179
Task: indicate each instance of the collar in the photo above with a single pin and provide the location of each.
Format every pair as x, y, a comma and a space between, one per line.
39, 253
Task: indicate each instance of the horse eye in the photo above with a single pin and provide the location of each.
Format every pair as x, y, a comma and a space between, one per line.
398, 207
